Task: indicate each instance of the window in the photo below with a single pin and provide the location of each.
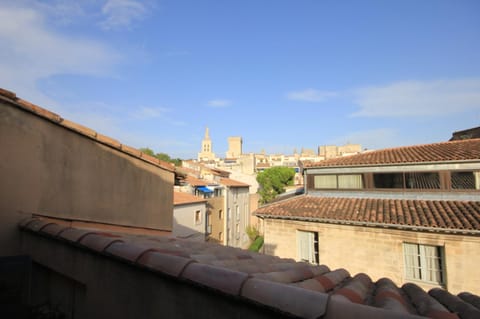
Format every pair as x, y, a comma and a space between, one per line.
388, 180
424, 262
465, 180
422, 180
198, 217
307, 246
237, 231
325, 181
348, 181
218, 192
237, 212
220, 214
411, 180
207, 222
229, 213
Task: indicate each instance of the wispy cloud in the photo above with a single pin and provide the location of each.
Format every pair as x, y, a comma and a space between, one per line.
311, 95
419, 98
219, 103
63, 12
31, 51
121, 14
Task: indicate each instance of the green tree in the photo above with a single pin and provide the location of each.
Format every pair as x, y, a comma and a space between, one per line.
272, 182
147, 151
161, 156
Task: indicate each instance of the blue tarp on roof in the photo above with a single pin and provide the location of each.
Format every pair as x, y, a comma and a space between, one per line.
204, 189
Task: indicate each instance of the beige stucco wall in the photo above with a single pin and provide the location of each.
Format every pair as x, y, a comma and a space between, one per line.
378, 252
51, 170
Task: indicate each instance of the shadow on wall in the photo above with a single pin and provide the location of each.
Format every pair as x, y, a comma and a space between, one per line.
184, 232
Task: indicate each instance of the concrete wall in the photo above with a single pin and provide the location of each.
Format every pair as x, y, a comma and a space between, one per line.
51, 170
184, 224
378, 252
69, 279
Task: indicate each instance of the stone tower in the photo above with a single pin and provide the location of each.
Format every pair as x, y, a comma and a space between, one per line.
206, 153
234, 147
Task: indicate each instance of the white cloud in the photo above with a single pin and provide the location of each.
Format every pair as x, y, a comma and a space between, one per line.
122, 13
311, 95
419, 98
219, 103
31, 52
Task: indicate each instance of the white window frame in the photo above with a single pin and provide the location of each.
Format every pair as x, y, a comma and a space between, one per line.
425, 263
307, 246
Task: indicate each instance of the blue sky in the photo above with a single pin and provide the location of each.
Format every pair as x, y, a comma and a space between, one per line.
282, 74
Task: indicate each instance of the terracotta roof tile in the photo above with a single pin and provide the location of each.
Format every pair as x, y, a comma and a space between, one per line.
79, 128
126, 251
426, 305
193, 181
232, 183
13, 100
224, 280
439, 215
99, 242
455, 304
164, 263
463, 150
53, 229
299, 302
280, 284
180, 198
74, 234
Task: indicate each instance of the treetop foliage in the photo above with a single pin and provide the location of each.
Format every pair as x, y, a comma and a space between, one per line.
162, 156
273, 180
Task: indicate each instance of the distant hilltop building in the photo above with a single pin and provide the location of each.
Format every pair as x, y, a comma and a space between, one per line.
332, 151
234, 147
206, 154
244, 167
466, 134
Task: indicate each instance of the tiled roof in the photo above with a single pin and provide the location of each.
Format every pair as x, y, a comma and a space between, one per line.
13, 100
180, 198
263, 165
193, 181
281, 285
463, 150
232, 183
459, 216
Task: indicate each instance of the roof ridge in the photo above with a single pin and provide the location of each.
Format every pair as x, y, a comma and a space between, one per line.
445, 151
11, 97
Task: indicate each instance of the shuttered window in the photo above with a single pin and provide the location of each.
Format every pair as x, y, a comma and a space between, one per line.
424, 263
307, 247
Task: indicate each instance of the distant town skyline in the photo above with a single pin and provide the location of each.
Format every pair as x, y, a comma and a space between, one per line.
281, 74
